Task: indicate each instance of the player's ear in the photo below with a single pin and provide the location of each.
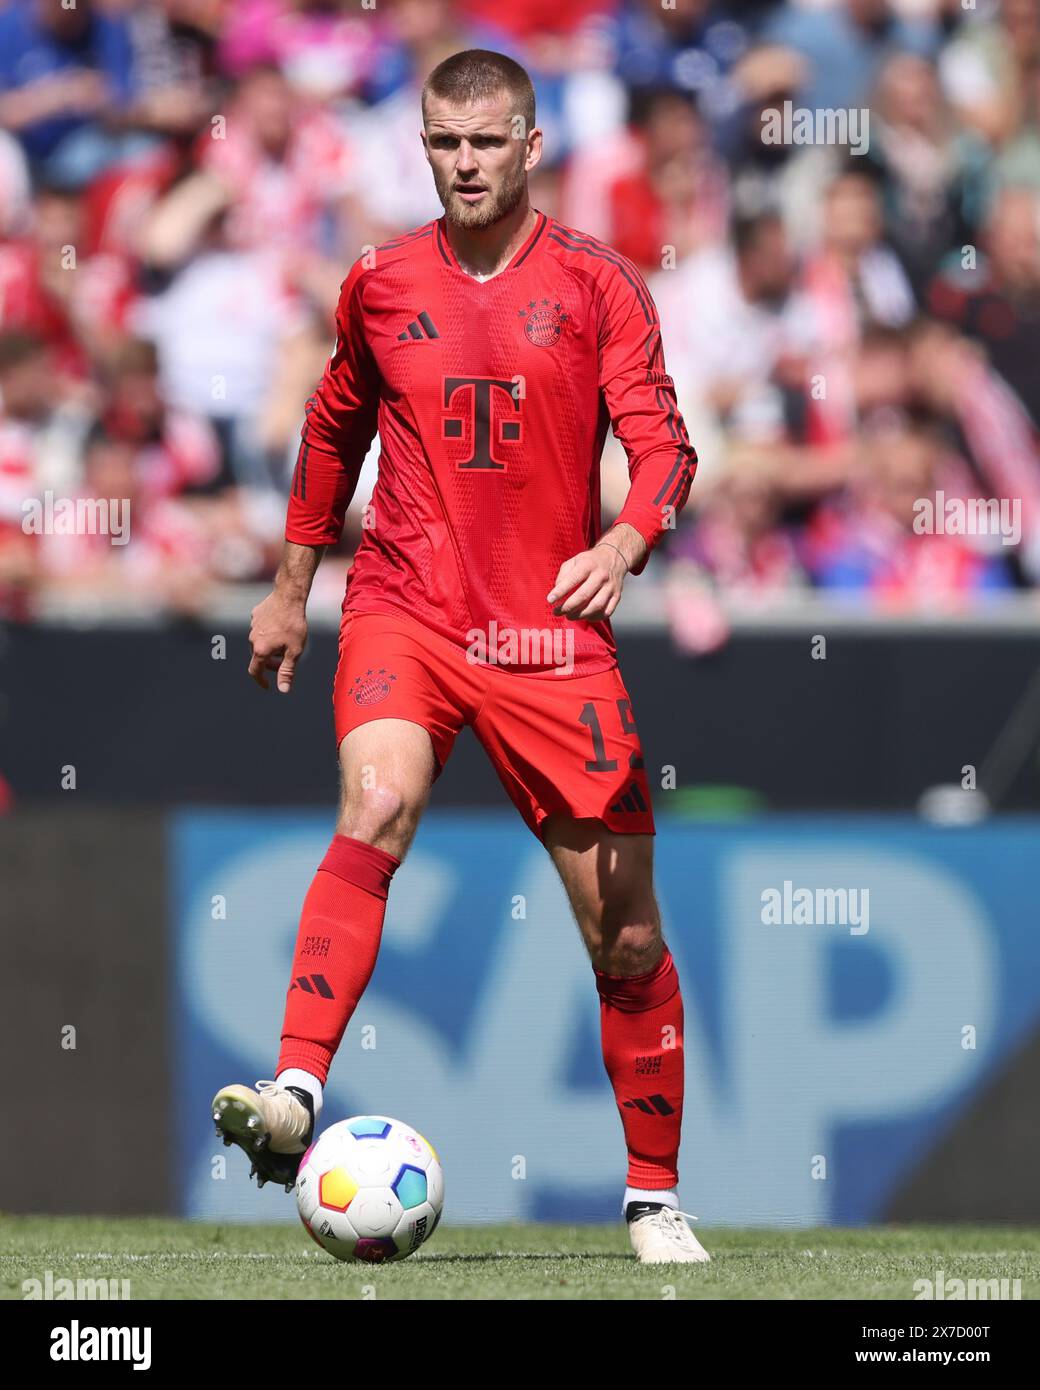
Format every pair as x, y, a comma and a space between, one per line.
534, 149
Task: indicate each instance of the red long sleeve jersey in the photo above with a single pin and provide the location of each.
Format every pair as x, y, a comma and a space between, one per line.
492, 401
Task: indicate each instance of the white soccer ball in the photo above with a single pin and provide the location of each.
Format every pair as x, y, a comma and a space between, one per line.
370, 1189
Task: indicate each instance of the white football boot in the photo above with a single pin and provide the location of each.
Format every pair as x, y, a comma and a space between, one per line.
662, 1237
273, 1124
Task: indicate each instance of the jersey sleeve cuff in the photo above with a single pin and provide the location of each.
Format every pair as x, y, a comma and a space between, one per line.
651, 535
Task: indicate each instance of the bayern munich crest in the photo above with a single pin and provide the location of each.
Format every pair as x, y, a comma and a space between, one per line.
543, 322
372, 687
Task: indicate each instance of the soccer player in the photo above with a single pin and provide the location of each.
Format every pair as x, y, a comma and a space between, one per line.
489, 349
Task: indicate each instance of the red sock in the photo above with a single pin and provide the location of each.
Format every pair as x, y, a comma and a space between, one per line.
641, 1025
336, 948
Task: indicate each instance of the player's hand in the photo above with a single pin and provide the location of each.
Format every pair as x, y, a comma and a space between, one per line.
278, 635
588, 586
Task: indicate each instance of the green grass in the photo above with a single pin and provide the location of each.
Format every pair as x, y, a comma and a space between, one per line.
165, 1259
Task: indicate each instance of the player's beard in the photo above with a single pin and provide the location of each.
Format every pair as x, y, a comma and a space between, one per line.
499, 203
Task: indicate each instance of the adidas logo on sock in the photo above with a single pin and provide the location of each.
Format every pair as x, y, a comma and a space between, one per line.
650, 1105
419, 329
313, 984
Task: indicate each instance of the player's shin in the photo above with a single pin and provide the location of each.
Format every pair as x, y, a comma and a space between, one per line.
641, 1026
336, 948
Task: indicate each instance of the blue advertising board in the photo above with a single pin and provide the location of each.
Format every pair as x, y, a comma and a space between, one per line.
826, 1055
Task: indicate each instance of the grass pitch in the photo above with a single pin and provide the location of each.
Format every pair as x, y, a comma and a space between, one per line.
164, 1259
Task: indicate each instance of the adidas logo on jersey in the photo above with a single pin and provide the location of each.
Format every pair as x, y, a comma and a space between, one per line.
419, 330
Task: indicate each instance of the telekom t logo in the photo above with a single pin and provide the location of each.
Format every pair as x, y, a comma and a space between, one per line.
471, 398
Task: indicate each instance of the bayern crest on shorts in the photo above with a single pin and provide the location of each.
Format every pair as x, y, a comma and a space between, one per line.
372, 686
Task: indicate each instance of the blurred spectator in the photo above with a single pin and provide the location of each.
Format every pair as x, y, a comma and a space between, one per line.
677, 196
64, 71
881, 380
929, 372
286, 172
770, 176
1018, 163
176, 549
845, 45
174, 48
692, 45
178, 453
987, 425
24, 396
218, 324
749, 335
934, 176
866, 540
322, 47
739, 547
853, 281
985, 68
162, 555
996, 300
77, 303
854, 277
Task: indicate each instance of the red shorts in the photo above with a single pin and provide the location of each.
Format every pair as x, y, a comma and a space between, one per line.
560, 744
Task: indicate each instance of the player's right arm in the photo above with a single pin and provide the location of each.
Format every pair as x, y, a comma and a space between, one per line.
339, 428
278, 631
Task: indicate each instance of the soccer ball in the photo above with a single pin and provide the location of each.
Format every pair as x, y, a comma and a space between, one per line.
370, 1189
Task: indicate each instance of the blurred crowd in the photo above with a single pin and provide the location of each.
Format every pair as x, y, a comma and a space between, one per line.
851, 329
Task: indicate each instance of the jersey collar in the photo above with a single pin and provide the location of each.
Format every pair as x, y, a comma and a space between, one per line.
521, 254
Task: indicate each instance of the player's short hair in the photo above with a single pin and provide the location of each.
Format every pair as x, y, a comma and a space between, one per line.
476, 74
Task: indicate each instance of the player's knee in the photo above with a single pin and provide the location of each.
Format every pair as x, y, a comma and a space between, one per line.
629, 947
380, 815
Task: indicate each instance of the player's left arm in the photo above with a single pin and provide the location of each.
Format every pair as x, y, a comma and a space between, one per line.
640, 397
